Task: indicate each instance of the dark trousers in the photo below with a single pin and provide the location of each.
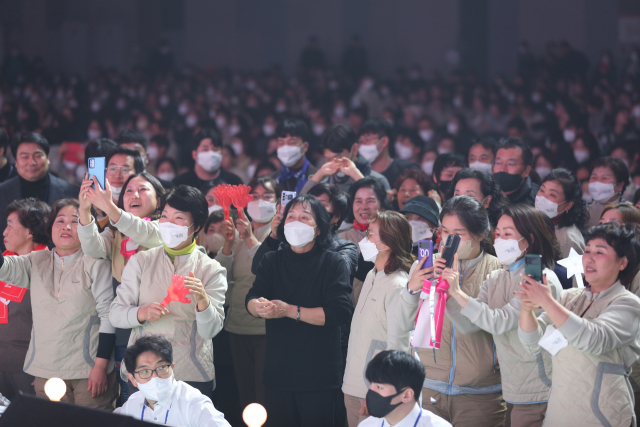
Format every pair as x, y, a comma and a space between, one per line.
300, 408
124, 389
12, 383
248, 353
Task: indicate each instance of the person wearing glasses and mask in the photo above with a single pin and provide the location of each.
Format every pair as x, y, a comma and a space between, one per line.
303, 293
511, 168
162, 399
189, 326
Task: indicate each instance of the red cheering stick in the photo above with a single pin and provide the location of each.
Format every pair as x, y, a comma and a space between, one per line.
221, 192
240, 197
176, 292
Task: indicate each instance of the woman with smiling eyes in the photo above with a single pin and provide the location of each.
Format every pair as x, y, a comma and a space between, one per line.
134, 229
367, 196
522, 230
72, 337
147, 276
560, 198
607, 182
596, 331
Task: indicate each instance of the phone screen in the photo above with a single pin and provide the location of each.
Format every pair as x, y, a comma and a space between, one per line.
425, 249
450, 248
96, 167
286, 197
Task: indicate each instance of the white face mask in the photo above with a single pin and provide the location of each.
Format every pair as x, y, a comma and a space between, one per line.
268, 130
403, 151
261, 210
214, 208
443, 150
581, 156
368, 249
153, 152
601, 192
167, 176
427, 167
172, 234
507, 251
426, 134
214, 241
237, 148
569, 135
318, 129
452, 128
543, 171
547, 206
420, 231
94, 134
158, 389
209, 160
484, 167
115, 192
299, 234
369, 152
290, 154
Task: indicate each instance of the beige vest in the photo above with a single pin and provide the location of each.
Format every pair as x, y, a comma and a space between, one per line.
239, 321
193, 355
589, 389
64, 338
525, 377
570, 237
475, 364
355, 236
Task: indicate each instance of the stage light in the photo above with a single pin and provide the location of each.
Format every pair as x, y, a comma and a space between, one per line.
55, 388
254, 415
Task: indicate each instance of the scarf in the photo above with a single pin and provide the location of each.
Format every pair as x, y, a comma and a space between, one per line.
300, 175
361, 227
184, 251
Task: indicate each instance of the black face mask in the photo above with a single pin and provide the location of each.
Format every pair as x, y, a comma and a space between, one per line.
444, 186
508, 182
380, 406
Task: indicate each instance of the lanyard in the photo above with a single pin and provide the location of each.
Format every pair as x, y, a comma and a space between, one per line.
417, 419
167, 416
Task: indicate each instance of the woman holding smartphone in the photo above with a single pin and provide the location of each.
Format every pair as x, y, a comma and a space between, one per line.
462, 383
522, 230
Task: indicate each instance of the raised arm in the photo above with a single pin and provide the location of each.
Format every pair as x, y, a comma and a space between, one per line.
94, 243
145, 233
16, 270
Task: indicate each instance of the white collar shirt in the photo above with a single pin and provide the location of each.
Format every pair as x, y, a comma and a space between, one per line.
187, 407
426, 419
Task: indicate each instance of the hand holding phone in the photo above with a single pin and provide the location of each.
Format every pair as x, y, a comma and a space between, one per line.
285, 198
96, 167
425, 249
450, 249
533, 267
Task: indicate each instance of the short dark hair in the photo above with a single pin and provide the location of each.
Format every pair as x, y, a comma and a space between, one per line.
377, 126
419, 176
169, 160
131, 135
55, 210
398, 369
160, 140
101, 147
212, 134
294, 128
487, 142
374, 184
156, 344
26, 137
472, 216
579, 213
511, 142
157, 186
617, 166
531, 222
338, 198
488, 187
624, 239
32, 214
338, 138
323, 220
188, 199
412, 134
265, 181
4, 141
138, 163
447, 160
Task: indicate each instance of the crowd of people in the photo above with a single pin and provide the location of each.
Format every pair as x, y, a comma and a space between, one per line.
310, 305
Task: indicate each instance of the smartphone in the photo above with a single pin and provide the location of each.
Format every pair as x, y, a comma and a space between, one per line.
286, 197
533, 266
450, 248
96, 168
425, 249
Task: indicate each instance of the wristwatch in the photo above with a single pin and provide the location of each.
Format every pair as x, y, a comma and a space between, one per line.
298, 316
413, 292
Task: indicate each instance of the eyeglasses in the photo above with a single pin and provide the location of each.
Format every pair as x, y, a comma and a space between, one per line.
148, 373
114, 169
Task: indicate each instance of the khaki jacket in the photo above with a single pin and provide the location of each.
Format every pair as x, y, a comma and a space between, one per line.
634, 288
525, 377
354, 235
570, 237
146, 279
375, 327
470, 357
240, 279
70, 297
591, 374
